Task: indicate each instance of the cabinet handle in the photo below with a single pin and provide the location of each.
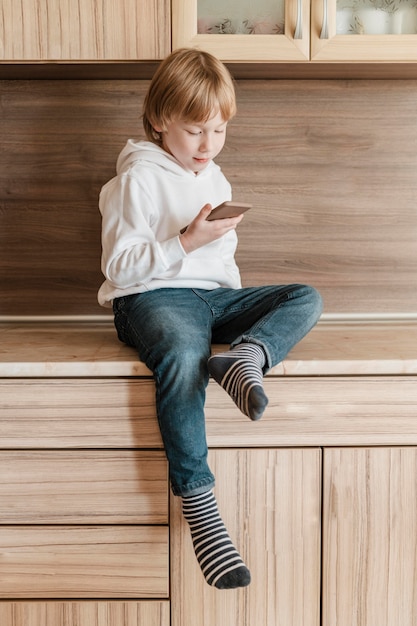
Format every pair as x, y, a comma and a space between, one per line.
299, 25
325, 30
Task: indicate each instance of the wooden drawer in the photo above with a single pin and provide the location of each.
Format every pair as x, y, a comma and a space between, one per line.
83, 562
320, 411
83, 487
85, 613
78, 412
302, 410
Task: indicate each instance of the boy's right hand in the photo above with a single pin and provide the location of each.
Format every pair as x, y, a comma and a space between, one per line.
200, 232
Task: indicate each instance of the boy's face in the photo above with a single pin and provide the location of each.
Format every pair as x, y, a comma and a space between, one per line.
193, 144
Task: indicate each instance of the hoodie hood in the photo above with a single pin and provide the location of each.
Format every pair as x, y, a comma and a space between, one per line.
146, 152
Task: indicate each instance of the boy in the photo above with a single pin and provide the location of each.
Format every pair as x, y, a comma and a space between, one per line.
174, 293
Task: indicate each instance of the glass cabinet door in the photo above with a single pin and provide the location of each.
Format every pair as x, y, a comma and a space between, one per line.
364, 30
244, 30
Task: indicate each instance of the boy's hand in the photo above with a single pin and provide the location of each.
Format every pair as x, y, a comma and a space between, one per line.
201, 232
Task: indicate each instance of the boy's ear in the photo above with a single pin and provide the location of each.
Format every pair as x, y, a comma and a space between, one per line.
157, 128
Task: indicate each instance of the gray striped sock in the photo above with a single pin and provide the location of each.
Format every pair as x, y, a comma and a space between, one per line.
219, 560
239, 372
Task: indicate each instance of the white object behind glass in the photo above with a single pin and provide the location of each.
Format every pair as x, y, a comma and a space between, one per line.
248, 17
376, 17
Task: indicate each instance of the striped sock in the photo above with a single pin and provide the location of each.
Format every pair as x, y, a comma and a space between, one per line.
219, 560
239, 372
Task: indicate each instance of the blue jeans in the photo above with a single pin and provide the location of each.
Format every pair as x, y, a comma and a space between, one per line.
172, 330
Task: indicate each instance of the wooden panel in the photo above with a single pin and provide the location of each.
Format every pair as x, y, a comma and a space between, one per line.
144, 70
90, 30
86, 413
320, 411
334, 192
112, 413
58, 487
66, 349
323, 176
85, 613
83, 562
369, 541
270, 502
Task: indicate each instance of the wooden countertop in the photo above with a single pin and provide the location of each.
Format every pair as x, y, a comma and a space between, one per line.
66, 349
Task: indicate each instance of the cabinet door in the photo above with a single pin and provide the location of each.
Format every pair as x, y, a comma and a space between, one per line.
268, 30
91, 30
270, 502
364, 30
370, 537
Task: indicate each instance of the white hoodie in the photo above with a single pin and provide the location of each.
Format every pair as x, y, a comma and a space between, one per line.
143, 210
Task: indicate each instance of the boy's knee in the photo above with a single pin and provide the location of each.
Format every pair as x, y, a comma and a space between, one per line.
186, 357
316, 301
309, 297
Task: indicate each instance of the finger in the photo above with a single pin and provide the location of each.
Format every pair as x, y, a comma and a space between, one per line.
206, 210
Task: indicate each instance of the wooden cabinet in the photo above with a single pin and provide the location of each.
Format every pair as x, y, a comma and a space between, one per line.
292, 45
320, 496
84, 504
327, 45
91, 30
306, 36
350, 548
94, 31
271, 501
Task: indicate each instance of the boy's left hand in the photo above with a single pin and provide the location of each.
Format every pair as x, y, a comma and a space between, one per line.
200, 232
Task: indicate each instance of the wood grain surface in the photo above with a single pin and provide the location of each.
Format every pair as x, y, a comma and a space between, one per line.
329, 166
69, 30
369, 536
83, 562
85, 613
313, 411
270, 502
83, 487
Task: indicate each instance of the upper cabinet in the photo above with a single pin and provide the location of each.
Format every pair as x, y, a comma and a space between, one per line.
286, 30
364, 30
242, 30
87, 30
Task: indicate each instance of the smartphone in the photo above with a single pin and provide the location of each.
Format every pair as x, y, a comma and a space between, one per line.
228, 209
225, 209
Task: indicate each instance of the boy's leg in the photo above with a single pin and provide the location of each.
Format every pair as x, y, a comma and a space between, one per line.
262, 324
171, 329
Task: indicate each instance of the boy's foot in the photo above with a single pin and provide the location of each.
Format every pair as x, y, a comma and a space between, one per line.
239, 372
219, 560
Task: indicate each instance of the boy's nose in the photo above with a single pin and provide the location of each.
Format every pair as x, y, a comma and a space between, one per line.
205, 144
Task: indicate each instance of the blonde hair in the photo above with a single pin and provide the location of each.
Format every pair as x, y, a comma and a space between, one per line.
189, 85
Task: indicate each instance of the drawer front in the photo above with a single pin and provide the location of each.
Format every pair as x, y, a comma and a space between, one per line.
85, 613
83, 487
80, 413
83, 562
320, 411
120, 413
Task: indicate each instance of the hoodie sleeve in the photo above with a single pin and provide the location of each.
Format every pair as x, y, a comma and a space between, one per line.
130, 253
